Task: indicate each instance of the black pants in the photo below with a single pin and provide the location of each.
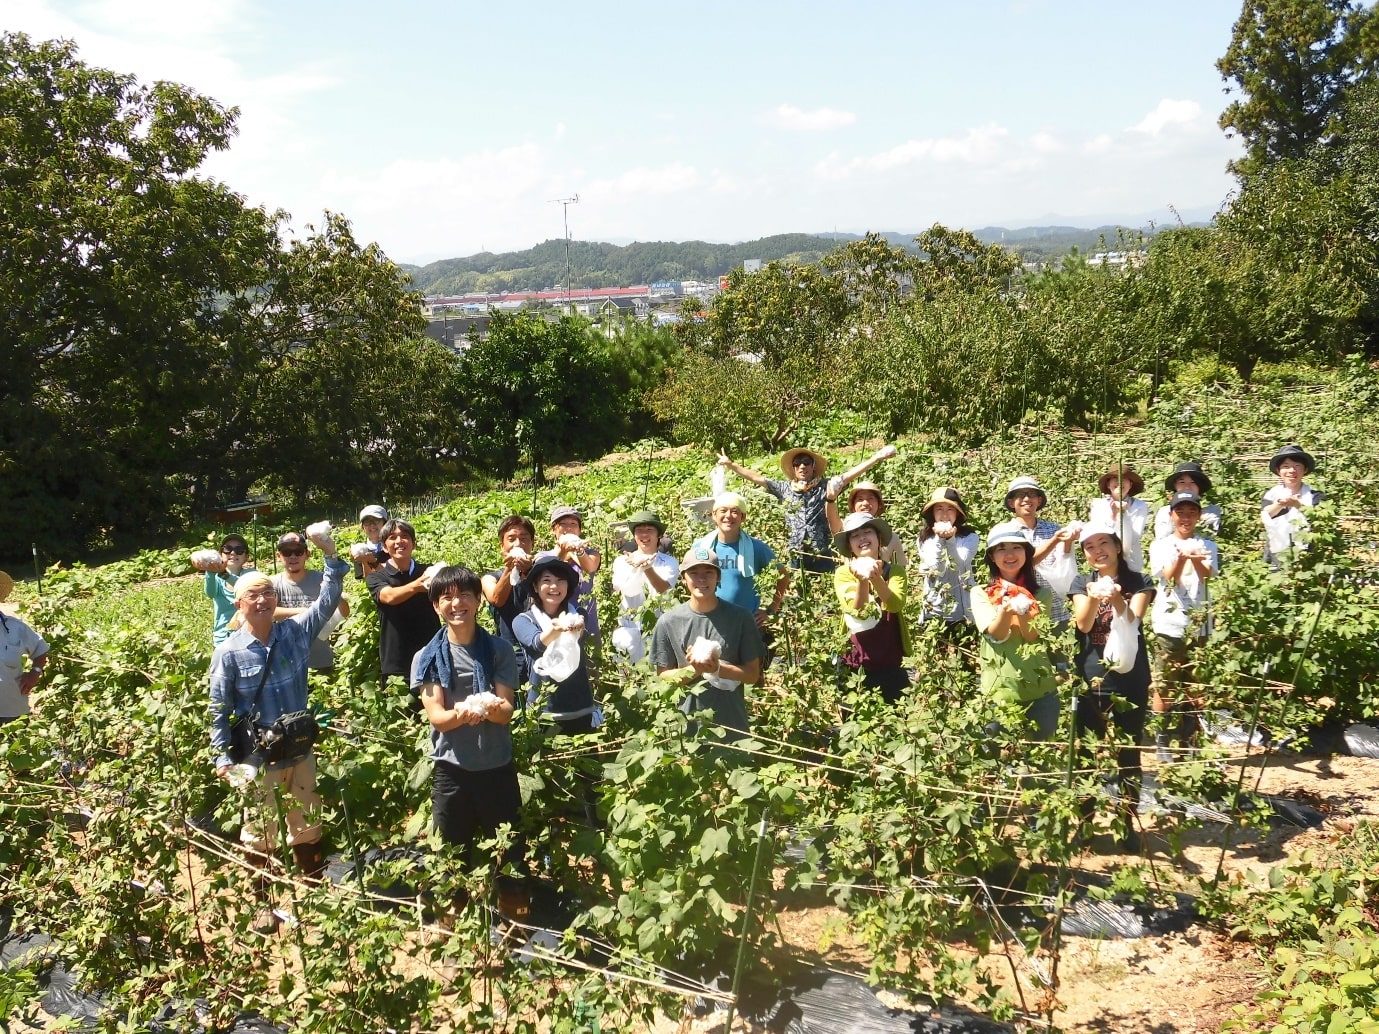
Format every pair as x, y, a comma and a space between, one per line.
1093, 712
468, 806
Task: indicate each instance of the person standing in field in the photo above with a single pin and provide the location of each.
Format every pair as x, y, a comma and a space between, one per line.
639, 575
23, 656
740, 559
947, 551
298, 588
872, 594
219, 582
505, 588
1187, 477
407, 621
1285, 524
805, 494
865, 497
1183, 563
711, 646
1119, 507
258, 675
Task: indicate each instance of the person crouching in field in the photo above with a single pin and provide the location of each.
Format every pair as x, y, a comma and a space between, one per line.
467, 682
1012, 614
258, 675
1183, 563
872, 594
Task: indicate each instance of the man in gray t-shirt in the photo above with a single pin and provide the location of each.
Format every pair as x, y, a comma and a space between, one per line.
297, 590
716, 681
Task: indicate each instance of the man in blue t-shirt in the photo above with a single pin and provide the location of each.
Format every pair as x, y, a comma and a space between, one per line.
741, 558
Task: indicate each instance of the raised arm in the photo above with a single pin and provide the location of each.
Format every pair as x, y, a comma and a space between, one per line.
848, 476
743, 472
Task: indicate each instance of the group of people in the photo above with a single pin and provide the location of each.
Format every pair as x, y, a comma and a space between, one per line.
468, 683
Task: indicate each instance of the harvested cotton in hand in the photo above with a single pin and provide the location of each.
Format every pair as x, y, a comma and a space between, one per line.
704, 651
942, 527
360, 550
569, 541
1020, 604
479, 703
864, 566
1102, 588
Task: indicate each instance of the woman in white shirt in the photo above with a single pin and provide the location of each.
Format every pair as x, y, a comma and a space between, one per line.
642, 574
1117, 507
1284, 522
947, 546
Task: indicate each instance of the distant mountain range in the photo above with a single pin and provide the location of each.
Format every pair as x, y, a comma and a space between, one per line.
593, 264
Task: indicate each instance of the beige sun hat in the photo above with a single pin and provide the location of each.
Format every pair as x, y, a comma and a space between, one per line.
6, 586
787, 462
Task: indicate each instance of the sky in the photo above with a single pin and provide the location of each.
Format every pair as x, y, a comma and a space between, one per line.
441, 129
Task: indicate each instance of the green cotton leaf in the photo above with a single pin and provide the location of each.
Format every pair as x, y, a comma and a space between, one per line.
744, 783
415, 824
1356, 978
714, 842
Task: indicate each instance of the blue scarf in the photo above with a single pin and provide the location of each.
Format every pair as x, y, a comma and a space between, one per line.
438, 667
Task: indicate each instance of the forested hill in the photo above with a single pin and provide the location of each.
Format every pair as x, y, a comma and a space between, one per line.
594, 264
608, 265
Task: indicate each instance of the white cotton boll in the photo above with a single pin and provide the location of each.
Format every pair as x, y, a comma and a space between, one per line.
704, 651
942, 527
864, 566
320, 529
1074, 526
518, 553
1019, 604
360, 550
205, 559
1102, 588
569, 541
241, 777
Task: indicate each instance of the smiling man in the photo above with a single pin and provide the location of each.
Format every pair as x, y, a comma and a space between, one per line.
467, 681
740, 558
298, 588
407, 621
259, 673
716, 677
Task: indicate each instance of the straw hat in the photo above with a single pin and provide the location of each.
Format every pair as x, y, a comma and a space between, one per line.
6, 586
1125, 473
787, 462
951, 496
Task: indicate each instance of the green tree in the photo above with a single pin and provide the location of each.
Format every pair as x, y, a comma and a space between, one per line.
1290, 63
164, 349
535, 390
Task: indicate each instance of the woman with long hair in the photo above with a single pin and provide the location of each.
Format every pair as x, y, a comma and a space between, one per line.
1012, 614
1111, 590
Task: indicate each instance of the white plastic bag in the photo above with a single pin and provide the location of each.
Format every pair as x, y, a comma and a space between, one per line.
561, 658
1122, 643
1059, 569
718, 481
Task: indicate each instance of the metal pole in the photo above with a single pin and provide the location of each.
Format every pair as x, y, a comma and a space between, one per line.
746, 920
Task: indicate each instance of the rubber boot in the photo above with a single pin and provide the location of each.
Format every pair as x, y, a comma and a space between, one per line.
1161, 751
265, 921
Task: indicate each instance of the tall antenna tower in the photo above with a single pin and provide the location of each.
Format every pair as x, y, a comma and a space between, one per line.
565, 203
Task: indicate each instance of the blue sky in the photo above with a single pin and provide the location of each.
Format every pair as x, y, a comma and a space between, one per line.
440, 129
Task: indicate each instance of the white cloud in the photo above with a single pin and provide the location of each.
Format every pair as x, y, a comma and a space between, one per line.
559, 130
1045, 143
793, 119
1168, 113
980, 146
670, 179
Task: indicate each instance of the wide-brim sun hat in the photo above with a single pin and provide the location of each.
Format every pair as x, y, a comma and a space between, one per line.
1010, 531
867, 486
373, 510
1192, 469
6, 586
856, 522
646, 517
787, 462
1292, 452
1123, 472
944, 494
551, 562
1026, 482
1090, 531
698, 556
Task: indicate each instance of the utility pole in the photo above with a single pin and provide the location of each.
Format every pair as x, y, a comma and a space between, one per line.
565, 203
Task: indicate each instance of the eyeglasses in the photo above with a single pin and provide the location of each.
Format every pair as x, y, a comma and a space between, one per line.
292, 552
1025, 494
236, 550
804, 461
259, 595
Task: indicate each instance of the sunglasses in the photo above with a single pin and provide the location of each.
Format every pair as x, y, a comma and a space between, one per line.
236, 550
292, 552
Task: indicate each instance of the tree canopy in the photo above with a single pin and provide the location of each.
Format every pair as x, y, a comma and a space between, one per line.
1290, 63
